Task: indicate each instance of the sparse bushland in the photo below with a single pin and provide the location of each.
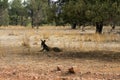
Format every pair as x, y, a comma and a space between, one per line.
63, 37
89, 55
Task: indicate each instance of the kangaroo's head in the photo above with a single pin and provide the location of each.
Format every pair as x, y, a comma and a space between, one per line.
43, 43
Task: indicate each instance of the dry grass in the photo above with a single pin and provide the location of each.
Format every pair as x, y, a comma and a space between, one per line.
93, 56
64, 37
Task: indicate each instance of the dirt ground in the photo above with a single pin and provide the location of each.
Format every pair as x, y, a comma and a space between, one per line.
20, 62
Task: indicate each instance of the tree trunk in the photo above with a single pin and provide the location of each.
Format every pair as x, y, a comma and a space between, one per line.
99, 27
32, 23
37, 26
83, 27
16, 18
73, 26
49, 2
16, 21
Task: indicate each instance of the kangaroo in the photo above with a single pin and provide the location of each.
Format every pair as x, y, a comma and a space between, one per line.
46, 48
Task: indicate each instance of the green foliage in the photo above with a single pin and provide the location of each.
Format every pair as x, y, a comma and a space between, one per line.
81, 11
74, 11
3, 4
18, 13
52, 16
4, 17
37, 10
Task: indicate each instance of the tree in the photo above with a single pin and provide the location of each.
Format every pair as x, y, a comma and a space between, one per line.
99, 11
74, 12
67, 11
18, 13
37, 11
80, 12
4, 17
53, 15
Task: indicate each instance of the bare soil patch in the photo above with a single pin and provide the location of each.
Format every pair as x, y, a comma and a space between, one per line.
91, 56
92, 65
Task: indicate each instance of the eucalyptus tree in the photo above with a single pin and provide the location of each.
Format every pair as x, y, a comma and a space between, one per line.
4, 17
68, 12
73, 12
53, 12
99, 11
17, 13
37, 11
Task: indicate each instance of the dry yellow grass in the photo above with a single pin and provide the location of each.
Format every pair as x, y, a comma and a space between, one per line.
64, 37
93, 56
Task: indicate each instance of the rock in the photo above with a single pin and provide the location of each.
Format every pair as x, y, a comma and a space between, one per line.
58, 68
74, 69
88, 73
71, 70
64, 78
14, 73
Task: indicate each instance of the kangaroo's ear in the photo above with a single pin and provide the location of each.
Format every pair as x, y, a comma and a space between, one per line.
44, 40
41, 40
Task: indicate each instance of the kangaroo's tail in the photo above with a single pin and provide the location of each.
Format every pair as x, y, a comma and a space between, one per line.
56, 49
